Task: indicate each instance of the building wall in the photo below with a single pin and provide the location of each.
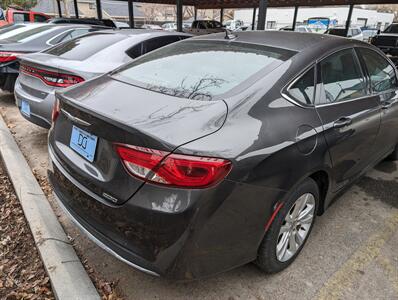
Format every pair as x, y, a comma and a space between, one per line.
281, 17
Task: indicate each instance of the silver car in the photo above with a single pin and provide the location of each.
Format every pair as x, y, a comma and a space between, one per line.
78, 60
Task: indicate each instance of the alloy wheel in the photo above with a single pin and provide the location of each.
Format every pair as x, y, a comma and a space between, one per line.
295, 227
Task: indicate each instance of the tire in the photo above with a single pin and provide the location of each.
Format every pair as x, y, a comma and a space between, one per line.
268, 259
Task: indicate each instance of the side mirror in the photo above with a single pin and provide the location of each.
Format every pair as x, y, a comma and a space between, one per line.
378, 31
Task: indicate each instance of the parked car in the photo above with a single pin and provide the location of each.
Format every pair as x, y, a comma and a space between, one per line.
151, 27
86, 21
202, 27
169, 26
36, 38
387, 41
122, 25
300, 28
80, 59
235, 25
353, 32
11, 15
369, 33
211, 153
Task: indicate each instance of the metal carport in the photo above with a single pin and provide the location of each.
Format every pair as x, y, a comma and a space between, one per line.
262, 6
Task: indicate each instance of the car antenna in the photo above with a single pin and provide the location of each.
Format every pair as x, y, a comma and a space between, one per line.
229, 35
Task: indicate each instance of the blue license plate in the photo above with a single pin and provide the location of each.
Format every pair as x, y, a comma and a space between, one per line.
83, 143
25, 108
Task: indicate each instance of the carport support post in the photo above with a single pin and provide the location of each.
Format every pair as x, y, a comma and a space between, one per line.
348, 23
179, 15
295, 18
131, 13
76, 9
221, 15
262, 14
99, 9
59, 8
195, 17
254, 18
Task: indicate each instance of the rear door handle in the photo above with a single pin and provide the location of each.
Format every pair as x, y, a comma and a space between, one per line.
342, 122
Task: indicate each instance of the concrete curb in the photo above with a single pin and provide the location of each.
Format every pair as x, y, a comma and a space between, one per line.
68, 277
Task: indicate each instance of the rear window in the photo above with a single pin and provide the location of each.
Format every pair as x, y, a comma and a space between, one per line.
200, 70
83, 47
393, 28
335, 31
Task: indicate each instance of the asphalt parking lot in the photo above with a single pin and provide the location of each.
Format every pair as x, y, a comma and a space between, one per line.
351, 254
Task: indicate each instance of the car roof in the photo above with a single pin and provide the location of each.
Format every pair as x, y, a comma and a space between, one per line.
295, 41
135, 32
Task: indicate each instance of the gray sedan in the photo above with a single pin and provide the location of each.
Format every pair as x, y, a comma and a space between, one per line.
78, 60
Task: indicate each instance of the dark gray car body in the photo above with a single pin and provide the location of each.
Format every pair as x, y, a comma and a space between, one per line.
273, 142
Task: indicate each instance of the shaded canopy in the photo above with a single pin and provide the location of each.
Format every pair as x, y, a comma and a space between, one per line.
214, 4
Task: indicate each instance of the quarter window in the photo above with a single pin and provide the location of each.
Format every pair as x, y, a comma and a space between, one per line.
342, 78
382, 74
303, 89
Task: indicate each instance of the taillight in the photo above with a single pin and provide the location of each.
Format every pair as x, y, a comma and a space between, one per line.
56, 110
177, 170
8, 56
51, 78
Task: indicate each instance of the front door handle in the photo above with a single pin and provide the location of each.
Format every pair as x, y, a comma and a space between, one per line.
342, 122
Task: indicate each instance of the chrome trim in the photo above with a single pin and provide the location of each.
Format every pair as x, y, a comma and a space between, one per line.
74, 119
89, 234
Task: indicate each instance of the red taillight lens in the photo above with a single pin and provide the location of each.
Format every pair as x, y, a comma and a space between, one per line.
175, 170
56, 110
51, 78
8, 56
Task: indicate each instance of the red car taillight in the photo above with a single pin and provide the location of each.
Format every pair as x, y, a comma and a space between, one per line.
56, 110
51, 78
177, 170
8, 56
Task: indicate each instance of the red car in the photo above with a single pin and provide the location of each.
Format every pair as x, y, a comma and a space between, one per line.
17, 16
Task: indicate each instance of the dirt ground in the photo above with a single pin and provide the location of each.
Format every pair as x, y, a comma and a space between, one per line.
22, 274
351, 254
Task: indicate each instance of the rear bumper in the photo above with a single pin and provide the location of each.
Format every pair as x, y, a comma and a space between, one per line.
177, 234
40, 108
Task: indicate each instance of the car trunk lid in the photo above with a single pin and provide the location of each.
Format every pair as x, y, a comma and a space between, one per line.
118, 113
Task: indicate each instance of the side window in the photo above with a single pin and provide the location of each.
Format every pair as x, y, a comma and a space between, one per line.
135, 51
342, 78
39, 18
303, 89
194, 24
21, 17
382, 74
156, 43
201, 25
79, 32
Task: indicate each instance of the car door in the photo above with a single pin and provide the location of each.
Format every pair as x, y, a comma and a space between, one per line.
384, 86
350, 115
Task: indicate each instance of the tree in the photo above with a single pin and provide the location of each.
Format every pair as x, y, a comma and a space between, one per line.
24, 4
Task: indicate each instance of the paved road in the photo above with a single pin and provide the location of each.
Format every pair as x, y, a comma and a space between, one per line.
351, 254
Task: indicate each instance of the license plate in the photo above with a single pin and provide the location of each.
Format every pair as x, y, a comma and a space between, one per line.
25, 108
83, 143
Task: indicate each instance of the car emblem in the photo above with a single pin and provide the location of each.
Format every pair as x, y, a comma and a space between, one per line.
74, 119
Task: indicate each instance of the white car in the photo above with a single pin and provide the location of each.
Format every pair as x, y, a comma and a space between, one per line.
169, 26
